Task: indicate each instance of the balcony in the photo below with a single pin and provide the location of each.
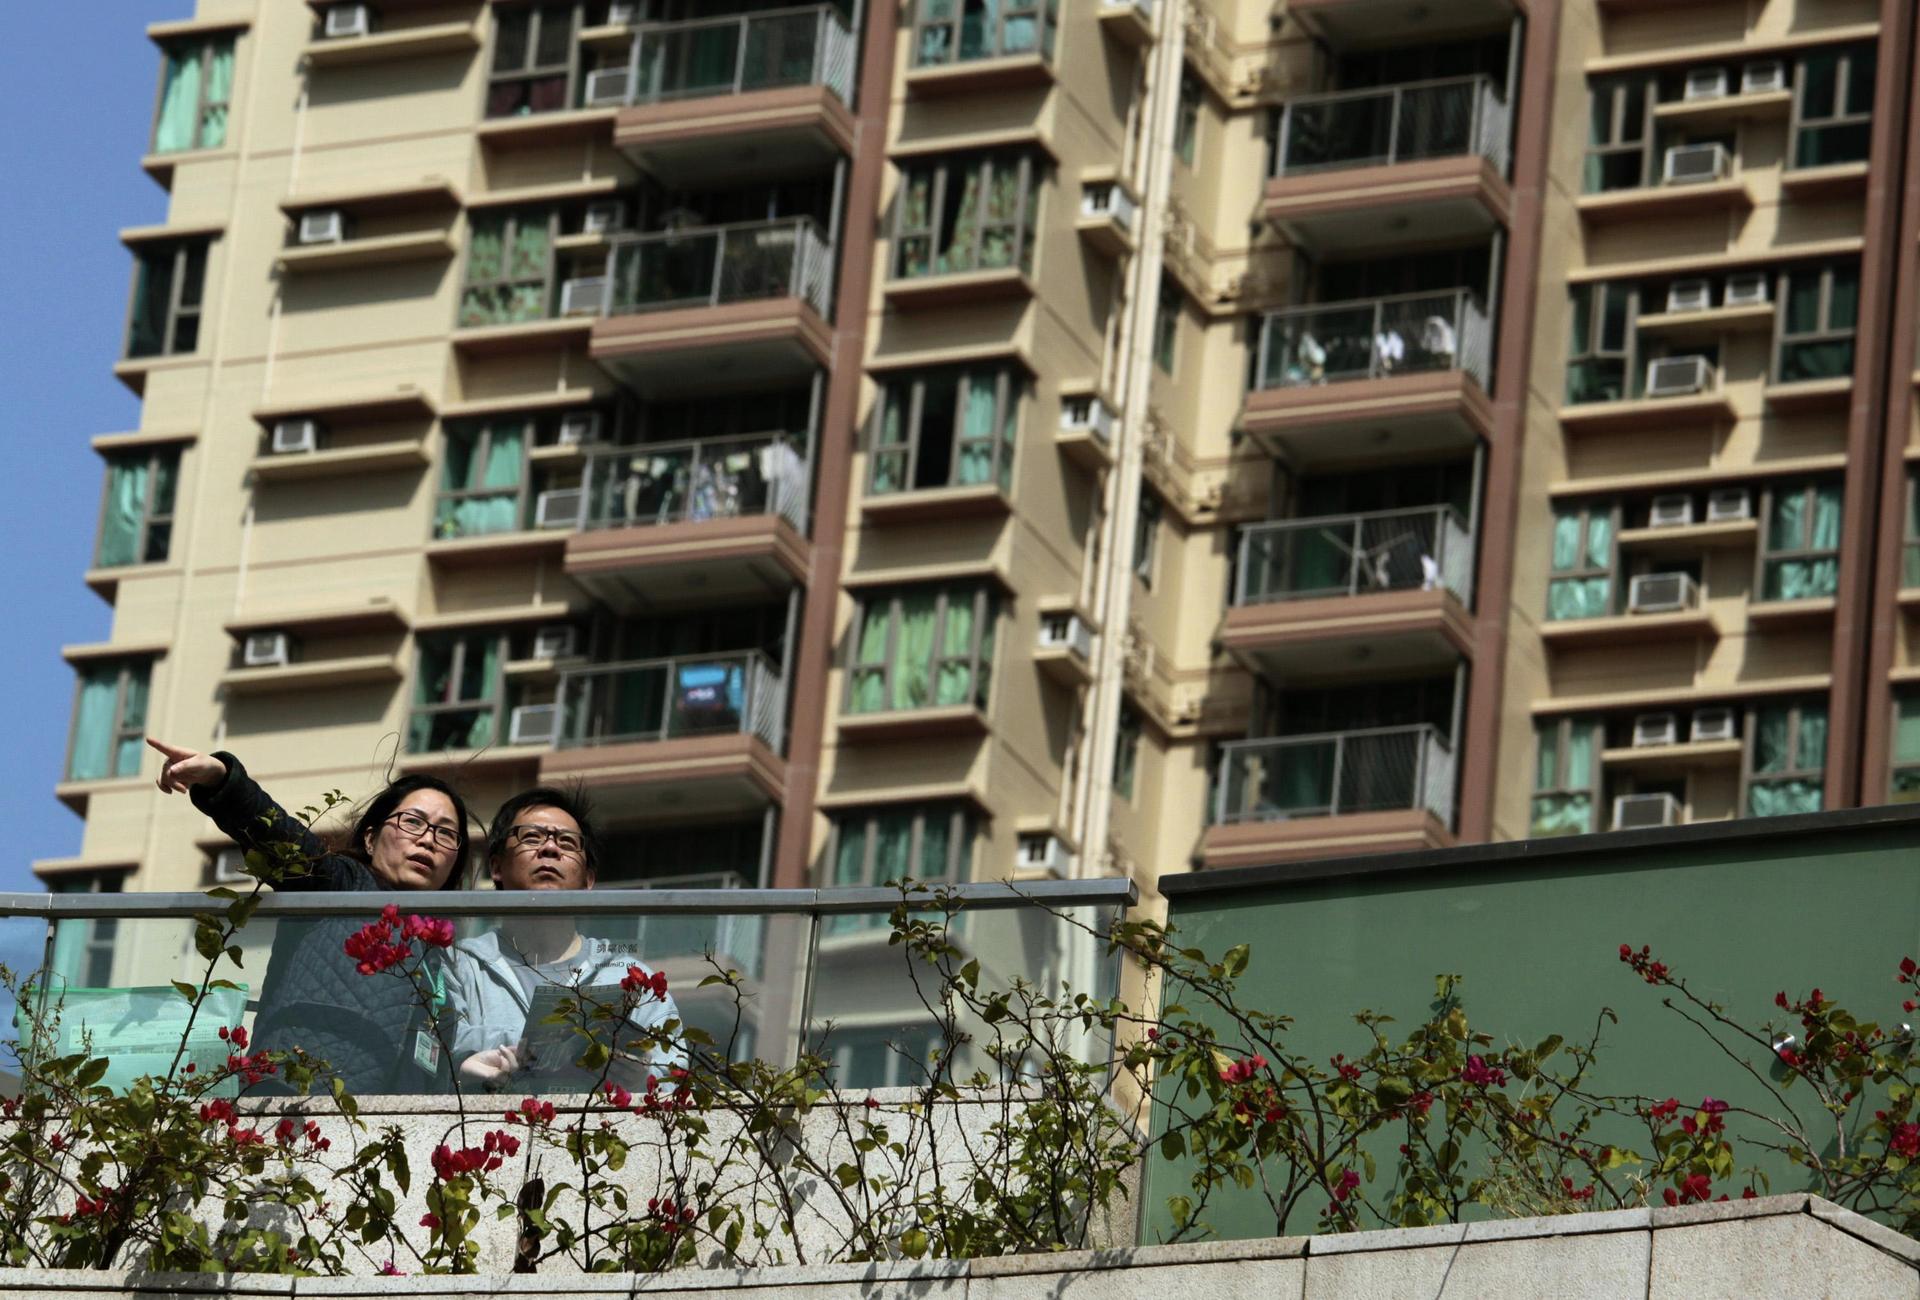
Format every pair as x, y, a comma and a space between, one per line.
708, 521
1382, 378
1361, 169
717, 307
1294, 797
1370, 24
750, 96
1393, 587
667, 739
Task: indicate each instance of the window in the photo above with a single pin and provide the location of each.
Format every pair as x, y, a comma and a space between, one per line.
1786, 756
1816, 327
946, 428
532, 60
1800, 556
167, 282
1146, 537
881, 1056
958, 31
922, 648
482, 478
1186, 123
1910, 553
1833, 106
1126, 752
1617, 151
1166, 327
195, 87
136, 520
1600, 351
509, 267
1566, 776
83, 947
1582, 582
457, 692
109, 720
966, 214
1905, 784
878, 846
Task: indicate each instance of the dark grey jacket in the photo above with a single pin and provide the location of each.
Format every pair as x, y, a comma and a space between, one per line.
365, 1026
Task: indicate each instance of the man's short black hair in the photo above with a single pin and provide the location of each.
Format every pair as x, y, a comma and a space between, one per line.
573, 802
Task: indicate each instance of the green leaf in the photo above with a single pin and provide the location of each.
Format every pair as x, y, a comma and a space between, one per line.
91, 1073
185, 990
1172, 1145
207, 937
913, 1243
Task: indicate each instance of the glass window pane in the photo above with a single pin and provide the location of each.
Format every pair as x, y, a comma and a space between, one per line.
556, 36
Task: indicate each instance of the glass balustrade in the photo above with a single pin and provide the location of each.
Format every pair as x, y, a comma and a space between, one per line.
711, 265
1424, 549
740, 54
1394, 124
1375, 338
671, 699
699, 479
1335, 774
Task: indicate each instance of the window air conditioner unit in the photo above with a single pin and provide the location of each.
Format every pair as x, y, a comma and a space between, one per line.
1042, 852
348, 20
1706, 83
1108, 200
1725, 505
1062, 631
1086, 414
291, 437
1670, 512
1676, 376
556, 642
605, 217
1689, 295
1661, 593
578, 427
1688, 164
326, 226
1651, 730
1763, 77
1632, 812
622, 15
1746, 289
266, 650
1715, 723
559, 508
229, 866
584, 297
533, 724
606, 86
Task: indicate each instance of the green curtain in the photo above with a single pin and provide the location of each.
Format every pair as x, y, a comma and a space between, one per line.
1562, 814
1791, 528
179, 103
916, 218
1581, 597
1546, 764
133, 722
1578, 598
976, 433
480, 733
485, 248
1770, 740
93, 725
1580, 758
1003, 217
1780, 798
892, 848
847, 874
913, 653
936, 836
956, 652
1299, 778
126, 504
498, 512
957, 252
1811, 751
869, 673
1906, 735
889, 473
1009, 428
213, 125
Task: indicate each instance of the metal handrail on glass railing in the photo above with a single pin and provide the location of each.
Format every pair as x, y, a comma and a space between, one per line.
805, 46
670, 699
1394, 124
698, 479
709, 265
1375, 338
1334, 774
1422, 549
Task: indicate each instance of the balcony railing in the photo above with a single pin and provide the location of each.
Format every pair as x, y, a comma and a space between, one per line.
670, 699
1374, 339
1395, 124
711, 265
1389, 769
696, 480
810, 46
1356, 555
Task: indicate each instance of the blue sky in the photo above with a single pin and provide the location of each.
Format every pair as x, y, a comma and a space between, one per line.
79, 118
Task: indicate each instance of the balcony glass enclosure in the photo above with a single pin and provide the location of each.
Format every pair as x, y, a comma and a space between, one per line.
1375, 339
697, 480
1334, 774
733, 55
105, 965
1394, 124
1423, 549
709, 265
671, 699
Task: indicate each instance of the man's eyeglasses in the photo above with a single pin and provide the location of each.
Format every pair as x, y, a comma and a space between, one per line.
412, 823
530, 838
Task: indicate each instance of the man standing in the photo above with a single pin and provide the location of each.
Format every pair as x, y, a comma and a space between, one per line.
504, 984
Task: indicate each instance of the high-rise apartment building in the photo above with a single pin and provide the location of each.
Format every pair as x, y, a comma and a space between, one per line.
971, 438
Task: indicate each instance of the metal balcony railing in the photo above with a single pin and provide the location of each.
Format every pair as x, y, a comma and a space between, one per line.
1375, 338
1387, 769
1356, 555
809, 46
699, 479
669, 699
1395, 124
710, 265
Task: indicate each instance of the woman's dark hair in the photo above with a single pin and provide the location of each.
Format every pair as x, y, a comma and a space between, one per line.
380, 808
573, 802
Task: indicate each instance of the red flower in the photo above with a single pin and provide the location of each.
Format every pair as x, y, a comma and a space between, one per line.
532, 1111
284, 1131
430, 1221
1664, 1111
217, 1112
1780, 999
1421, 1101
617, 1097
435, 932
1907, 968
637, 980
1344, 1187
1696, 1187
1480, 1074
1905, 1141
388, 1270
872, 1103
